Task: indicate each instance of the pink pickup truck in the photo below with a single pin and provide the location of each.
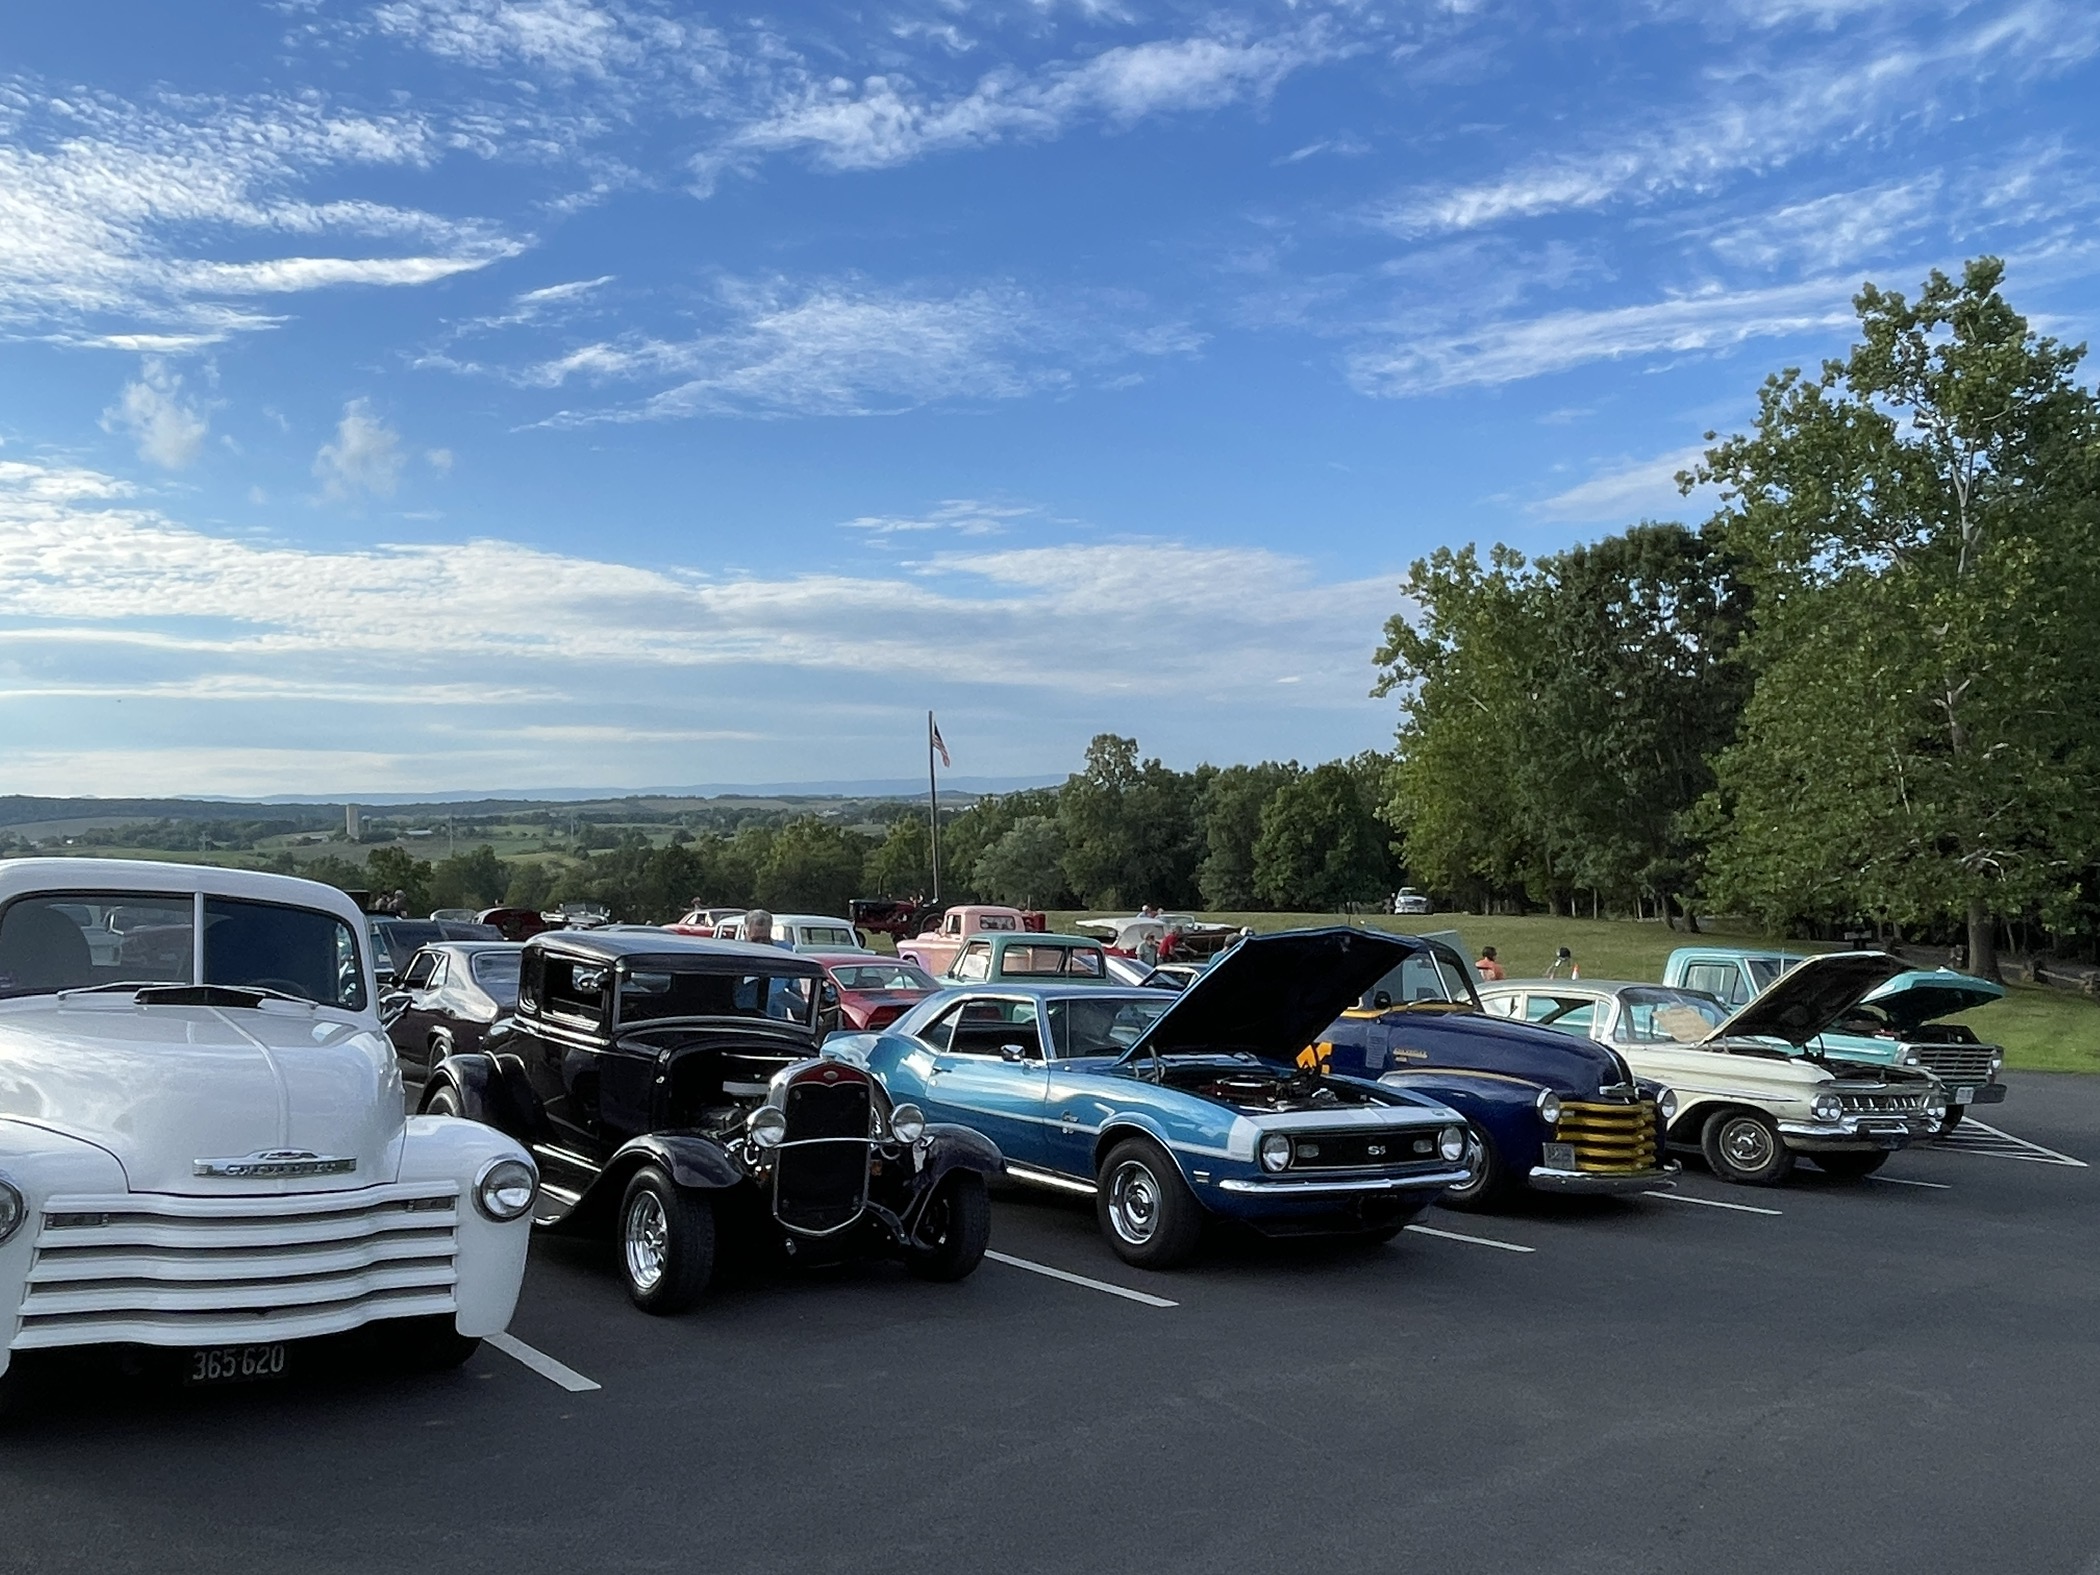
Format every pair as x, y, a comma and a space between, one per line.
936, 949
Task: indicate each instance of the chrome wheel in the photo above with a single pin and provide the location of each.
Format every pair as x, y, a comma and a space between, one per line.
1747, 1143
1133, 1202
645, 1240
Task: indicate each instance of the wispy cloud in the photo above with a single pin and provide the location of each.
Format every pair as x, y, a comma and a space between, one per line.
365, 458
156, 415
1627, 491
562, 37
959, 516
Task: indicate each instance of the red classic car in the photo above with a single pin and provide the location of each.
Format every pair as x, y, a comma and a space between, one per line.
874, 991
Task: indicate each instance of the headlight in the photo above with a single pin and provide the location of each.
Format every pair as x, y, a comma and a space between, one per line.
1276, 1152
505, 1189
1910, 1058
1826, 1107
1451, 1143
1666, 1102
1997, 1061
1936, 1104
12, 1210
767, 1125
907, 1123
1549, 1107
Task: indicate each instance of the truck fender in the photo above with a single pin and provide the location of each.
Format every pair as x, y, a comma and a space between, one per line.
950, 1147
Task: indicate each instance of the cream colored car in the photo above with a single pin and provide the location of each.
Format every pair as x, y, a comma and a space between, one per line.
1749, 1093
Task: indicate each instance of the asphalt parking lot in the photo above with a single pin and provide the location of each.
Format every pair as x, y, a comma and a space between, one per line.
1900, 1374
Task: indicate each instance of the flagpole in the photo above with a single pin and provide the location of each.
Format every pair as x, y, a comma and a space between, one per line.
933, 811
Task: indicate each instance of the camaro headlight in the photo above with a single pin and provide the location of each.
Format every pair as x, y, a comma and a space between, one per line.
1826, 1107
1549, 1107
907, 1123
767, 1125
1276, 1152
1666, 1102
505, 1189
1451, 1143
12, 1209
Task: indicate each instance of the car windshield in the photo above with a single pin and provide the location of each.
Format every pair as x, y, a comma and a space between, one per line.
1100, 1025
1763, 970
403, 938
652, 992
497, 974
826, 935
883, 976
1051, 962
81, 940
1432, 977
1663, 1017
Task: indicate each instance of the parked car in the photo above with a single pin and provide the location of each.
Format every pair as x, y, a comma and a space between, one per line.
873, 991
1899, 1024
1169, 1110
513, 924
1408, 900
1548, 1113
801, 932
1166, 936
456, 915
672, 1090
1029, 956
936, 951
1753, 1093
202, 1147
448, 998
705, 921
395, 941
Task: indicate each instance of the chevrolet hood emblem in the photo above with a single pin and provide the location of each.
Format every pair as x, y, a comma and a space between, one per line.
273, 1164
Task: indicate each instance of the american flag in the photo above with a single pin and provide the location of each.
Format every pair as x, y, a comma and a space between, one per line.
935, 728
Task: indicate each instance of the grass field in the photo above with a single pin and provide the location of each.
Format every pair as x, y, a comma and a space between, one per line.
2042, 1029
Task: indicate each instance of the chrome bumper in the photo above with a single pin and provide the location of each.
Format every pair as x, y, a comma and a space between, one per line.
1424, 1181
1865, 1131
1986, 1093
1593, 1183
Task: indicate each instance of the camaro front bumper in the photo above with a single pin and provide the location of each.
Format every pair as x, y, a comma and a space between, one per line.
1596, 1183
1862, 1133
1282, 1189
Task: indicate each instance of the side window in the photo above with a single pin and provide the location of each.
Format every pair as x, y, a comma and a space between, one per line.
952, 925
1721, 979
1501, 1005
1537, 1008
422, 972
575, 988
984, 1027
975, 964
941, 1030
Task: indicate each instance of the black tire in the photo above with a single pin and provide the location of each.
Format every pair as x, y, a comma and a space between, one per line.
429, 1345
1743, 1146
666, 1241
443, 1100
954, 1231
1145, 1207
1950, 1120
1491, 1184
435, 1052
1851, 1164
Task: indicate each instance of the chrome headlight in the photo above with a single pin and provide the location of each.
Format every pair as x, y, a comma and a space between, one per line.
1936, 1104
12, 1209
504, 1190
1666, 1102
1549, 1107
766, 1125
1451, 1143
1276, 1152
1910, 1058
907, 1123
1826, 1107
1997, 1062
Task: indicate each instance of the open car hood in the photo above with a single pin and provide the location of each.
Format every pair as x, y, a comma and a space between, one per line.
1270, 995
1910, 1000
1809, 997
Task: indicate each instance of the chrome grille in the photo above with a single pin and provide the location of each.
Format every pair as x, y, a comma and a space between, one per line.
1956, 1063
1882, 1104
1609, 1139
163, 1270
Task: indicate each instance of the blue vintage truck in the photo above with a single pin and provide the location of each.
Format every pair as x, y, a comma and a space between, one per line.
1899, 1024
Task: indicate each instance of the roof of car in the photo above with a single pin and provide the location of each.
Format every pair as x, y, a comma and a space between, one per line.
1584, 986
19, 877
468, 948
612, 945
1058, 989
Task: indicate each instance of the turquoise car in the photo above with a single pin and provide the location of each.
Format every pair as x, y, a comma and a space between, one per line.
1028, 957
1898, 1024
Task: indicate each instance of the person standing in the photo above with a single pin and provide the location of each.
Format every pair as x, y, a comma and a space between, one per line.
1487, 966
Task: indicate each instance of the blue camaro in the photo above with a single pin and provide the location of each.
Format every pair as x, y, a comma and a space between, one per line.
1167, 1109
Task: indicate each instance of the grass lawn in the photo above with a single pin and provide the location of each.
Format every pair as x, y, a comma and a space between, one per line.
2042, 1030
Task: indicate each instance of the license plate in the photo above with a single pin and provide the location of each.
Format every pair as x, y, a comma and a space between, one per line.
1965, 1096
1560, 1156
235, 1364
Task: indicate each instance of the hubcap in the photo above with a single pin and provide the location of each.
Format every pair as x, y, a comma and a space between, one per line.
1747, 1144
646, 1240
1133, 1202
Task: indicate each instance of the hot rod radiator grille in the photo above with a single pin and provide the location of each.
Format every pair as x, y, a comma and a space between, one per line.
157, 1270
1876, 1104
820, 1186
827, 1110
1957, 1063
1609, 1138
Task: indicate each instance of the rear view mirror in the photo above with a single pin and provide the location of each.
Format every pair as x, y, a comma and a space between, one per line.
391, 1007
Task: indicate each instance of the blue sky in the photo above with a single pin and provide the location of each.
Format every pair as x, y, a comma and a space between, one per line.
442, 394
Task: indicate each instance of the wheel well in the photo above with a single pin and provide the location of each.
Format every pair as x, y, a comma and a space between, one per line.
1690, 1125
1110, 1136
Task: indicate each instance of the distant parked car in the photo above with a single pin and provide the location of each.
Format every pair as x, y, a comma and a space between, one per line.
872, 990
800, 932
447, 999
395, 941
513, 924
935, 951
1408, 900
704, 922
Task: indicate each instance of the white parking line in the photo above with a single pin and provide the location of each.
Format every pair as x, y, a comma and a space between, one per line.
1103, 1286
543, 1364
1904, 1181
1980, 1137
1710, 1203
1475, 1241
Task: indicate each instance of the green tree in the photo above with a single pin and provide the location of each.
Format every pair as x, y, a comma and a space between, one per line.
897, 865
1026, 865
1228, 813
1923, 526
1321, 847
531, 885
1130, 828
475, 879
396, 869
813, 866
